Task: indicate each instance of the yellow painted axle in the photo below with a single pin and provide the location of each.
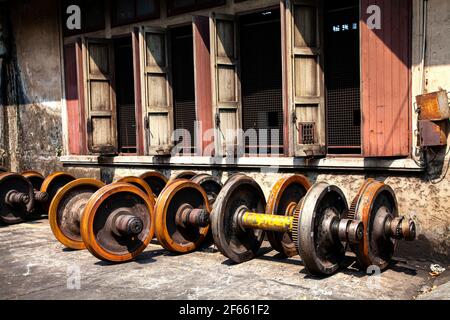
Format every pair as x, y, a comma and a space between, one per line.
267, 222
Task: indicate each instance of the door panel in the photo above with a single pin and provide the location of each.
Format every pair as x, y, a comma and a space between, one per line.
226, 83
100, 95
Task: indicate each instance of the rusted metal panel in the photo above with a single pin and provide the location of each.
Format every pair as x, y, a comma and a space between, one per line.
72, 101
432, 134
385, 78
202, 69
433, 106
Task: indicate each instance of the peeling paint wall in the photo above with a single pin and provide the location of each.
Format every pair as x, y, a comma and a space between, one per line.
33, 106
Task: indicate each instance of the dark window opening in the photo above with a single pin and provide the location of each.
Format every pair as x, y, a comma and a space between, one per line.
183, 86
181, 6
126, 112
92, 16
126, 11
261, 81
342, 77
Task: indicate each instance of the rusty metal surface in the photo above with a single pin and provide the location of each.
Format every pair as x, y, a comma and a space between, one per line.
376, 206
241, 193
266, 222
433, 106
171, 223
16, 198
66, 208
155, 180
432, 134
283, 198
318, 246
98, 223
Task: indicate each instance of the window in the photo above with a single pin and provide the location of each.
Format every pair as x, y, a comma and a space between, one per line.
131, 11
92, 16
180, 6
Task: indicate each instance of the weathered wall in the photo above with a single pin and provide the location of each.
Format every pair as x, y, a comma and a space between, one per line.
33, 105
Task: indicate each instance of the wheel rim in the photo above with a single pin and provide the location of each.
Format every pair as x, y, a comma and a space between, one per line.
237, 244
53, 183
373, 205
35, 178
155, 180
283, 198
12, 214
96, 228
68, 202
141, 184
172, 236
322, 203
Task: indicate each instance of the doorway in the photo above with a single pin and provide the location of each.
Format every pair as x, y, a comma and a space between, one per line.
261, 80
183, 86
342, 77
126, 114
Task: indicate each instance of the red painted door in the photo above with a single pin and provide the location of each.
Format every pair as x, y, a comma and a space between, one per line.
385, 75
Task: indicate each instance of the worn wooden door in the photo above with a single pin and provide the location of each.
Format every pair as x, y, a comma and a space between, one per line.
100, 100
305, 81
226, 91
156, 91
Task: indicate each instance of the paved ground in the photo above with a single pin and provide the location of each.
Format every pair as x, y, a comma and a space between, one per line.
33, 265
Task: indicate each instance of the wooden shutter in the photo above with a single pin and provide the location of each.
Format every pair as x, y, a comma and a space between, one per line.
385, 76
225, 82
100, 96
72, 100
202, 72
157, 96
305, 76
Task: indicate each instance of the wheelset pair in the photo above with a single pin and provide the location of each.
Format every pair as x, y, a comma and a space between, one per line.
26, 196
299, 218
114, 222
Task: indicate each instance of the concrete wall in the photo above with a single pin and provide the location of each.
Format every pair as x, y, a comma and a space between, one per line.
33, 107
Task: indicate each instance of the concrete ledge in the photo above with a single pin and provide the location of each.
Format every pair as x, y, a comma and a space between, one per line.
361, 164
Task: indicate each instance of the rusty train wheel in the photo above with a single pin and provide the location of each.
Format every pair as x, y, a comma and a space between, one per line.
241, 193
183, 175
155, 180
230, 177
117, 222
313, 217
373, 205
53, 183
283, 199
16, 198
177, 237
66, 208
210, 184
36, 180
140, 183
212, 187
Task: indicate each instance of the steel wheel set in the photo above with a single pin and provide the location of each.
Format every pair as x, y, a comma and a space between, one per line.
27, 196
116, 222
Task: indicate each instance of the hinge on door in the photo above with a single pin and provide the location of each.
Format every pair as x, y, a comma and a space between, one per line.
146, 122
217, 120
294, 117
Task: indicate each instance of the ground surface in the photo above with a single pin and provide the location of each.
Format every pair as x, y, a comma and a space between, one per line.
33, 265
